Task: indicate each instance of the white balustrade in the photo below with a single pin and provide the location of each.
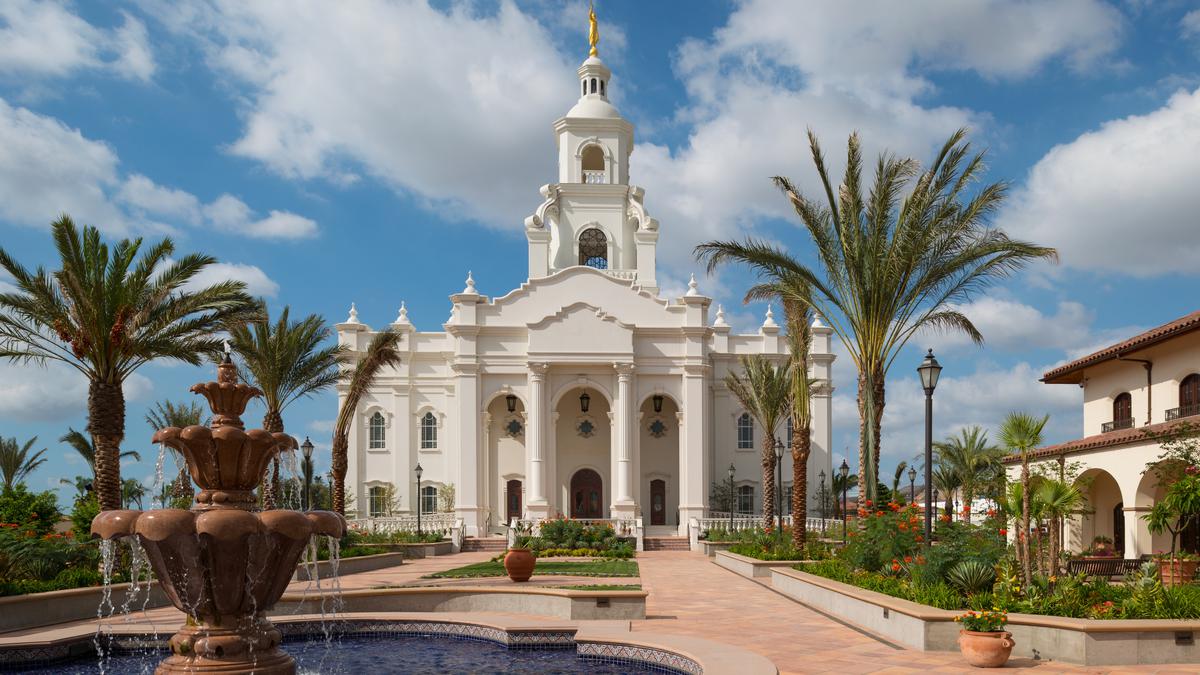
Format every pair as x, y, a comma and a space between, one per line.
594, 177
443, 523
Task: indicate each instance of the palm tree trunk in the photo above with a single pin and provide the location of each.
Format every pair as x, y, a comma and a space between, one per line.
870, 415
272, 422
1026, 563
341, 443
768, 467
106, 424
877, 427
801, 449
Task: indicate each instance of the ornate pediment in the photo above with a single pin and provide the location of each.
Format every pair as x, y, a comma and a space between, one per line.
580, 328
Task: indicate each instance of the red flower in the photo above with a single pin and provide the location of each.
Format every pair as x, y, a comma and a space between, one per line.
1003, 532
908, 558
920, 538
878, 513
868, 502
895, 567
991, 513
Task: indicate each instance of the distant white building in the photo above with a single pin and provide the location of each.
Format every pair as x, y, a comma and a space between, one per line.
583, 392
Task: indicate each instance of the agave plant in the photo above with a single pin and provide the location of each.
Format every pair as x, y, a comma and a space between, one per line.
971, 576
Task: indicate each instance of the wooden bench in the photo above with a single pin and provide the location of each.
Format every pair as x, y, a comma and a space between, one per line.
1103, 567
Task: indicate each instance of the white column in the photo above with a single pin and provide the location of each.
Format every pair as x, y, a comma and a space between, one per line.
623, 503
466, 389
693, 478
535, 436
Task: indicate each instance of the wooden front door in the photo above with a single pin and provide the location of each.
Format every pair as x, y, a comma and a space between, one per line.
512, 500
658, 502
586, 491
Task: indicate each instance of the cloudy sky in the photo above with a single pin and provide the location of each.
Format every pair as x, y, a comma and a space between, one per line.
375, 151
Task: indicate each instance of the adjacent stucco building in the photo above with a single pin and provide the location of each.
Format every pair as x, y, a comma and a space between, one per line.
584, 391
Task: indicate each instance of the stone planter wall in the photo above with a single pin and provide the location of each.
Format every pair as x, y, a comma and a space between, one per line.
751, 568
557, 602
31, 610
363, 563
1084, 641
710, 548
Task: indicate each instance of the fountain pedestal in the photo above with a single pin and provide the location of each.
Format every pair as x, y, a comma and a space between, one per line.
223, 562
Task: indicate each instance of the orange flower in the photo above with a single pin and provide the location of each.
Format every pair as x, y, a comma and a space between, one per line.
902, 526
920, 538
908, 558
878, 514
1003, 532
868, 502
895, 567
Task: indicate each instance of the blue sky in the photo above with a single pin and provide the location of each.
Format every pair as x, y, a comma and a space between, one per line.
376, 151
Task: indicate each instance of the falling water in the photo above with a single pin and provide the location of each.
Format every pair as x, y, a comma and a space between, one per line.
291, 476
158, 477
107, 559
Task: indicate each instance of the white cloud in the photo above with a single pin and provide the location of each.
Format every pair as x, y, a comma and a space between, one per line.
48, 168
452, 107
257, 282
43, 38
1121, 198
1189, 25
322, 426
53, 393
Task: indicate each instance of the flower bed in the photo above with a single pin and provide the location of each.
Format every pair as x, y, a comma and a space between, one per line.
591, 568
563, 537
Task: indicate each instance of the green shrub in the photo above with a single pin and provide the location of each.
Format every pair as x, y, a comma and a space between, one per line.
82, 513
972, 576
30, 511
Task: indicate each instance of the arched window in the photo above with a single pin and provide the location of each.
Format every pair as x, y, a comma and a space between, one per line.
593, 249
428, 431
745, 499
790, 431
592, 164
378, 437
601, 87
1189, 396
377, 502
429, 499
745, 431
584, 83
593, 85
1122, 411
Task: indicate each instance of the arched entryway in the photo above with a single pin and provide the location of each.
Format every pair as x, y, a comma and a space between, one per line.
587, 494
512, 500
505, 463
658, 454
1103, 514
658, 502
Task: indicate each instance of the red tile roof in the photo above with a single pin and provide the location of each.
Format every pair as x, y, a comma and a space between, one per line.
1098, 441
1072, 373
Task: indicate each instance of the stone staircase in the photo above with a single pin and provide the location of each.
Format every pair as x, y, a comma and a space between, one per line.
490, 544
665, 544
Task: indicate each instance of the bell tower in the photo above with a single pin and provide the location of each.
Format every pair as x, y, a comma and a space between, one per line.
592, 216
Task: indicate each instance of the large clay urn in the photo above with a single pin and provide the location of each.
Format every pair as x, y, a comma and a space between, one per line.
985, 649
519, 563
223, 562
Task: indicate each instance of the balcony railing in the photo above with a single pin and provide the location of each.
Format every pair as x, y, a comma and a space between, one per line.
1183, 411
1126, 423
594, 177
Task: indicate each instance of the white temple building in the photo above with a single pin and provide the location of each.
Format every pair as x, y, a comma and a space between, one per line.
582, 392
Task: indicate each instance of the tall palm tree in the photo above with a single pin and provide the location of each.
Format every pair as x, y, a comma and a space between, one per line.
132, 492
168, 413
839, 485
1059, 500
381, 353
896, 476
16, 463
946, 479
1021, 432
83, 445
107, 312
287, 360
970, 456
891, 261
766, 393
798, 319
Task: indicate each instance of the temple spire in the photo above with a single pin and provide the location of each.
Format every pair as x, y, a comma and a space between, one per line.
593, 29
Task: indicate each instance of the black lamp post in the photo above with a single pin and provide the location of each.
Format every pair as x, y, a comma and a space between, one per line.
821, 498
732, 498
419, 471
307, 448
929, 371
779, 490
912, 484
844, 472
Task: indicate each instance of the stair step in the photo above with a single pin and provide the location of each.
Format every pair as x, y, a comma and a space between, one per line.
666, 544
485, 544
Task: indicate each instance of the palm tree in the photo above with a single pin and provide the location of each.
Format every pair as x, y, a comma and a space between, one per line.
798, 318
170, 414
765, 393
381, 353
82, 485
108, 312
1020, 433
970, 456
83, 445
946, 479
287, 361
839, 485
896, 479
890, 263
132, 492
16, 463
1059, 500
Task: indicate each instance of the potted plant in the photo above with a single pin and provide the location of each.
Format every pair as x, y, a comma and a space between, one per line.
1102, 547
1177, 568
519, 560
983, 641
1178, 474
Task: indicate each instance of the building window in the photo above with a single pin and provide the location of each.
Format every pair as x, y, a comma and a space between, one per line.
789, 431
745, 431
1122, 410
787, 499
429, 499
601, 87
377, 502
428, 431
376, 427
593, 249
1189, 396
745, 499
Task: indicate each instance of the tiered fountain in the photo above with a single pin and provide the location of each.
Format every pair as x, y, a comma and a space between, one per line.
223, 562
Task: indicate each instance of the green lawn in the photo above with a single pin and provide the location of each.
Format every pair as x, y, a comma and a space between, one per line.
591, 568
603, 587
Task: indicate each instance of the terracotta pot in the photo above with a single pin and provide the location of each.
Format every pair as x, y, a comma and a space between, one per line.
1178, 572
985, 650
519, 562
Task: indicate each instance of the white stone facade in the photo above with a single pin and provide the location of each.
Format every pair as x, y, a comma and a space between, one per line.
660, 425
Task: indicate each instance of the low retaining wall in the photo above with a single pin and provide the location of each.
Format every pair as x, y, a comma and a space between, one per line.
363, 563
751, 568
1090, 642
710, 548
31, 610
557, 602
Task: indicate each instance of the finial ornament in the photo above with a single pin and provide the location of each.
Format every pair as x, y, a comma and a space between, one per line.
593, 30
228, 351
769, 322
470, 289
353, 314
403, 317
692, 287
720, 316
